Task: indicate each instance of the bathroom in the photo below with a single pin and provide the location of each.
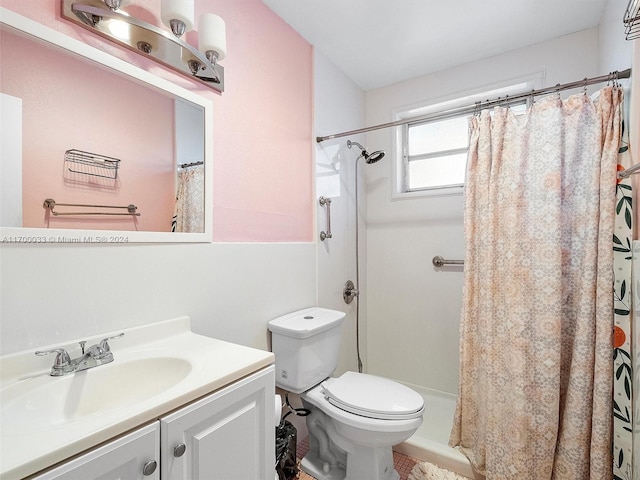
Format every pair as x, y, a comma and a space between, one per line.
265, 258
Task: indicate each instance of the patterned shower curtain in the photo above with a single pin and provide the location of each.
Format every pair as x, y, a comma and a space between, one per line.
622, 363
189, 209
536, 373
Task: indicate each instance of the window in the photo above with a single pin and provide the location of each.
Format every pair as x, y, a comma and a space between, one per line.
436, 153
433, 153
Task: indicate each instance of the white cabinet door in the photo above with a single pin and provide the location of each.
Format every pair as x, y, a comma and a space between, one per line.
228, 435
121, 459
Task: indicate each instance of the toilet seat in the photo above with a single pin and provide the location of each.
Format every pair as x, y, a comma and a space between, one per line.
316, 397
373, 397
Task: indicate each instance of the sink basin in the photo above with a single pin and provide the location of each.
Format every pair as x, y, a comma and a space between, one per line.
50, 401
158, 367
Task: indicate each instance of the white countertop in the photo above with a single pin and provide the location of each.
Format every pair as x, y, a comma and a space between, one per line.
189, 365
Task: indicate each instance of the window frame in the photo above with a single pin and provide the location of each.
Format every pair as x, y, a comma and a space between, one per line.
400, 184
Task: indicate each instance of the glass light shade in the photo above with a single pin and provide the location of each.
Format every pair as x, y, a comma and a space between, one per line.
212, 35
181, 10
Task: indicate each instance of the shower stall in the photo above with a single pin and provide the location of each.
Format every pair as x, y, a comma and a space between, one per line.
409, 310
413, 315
404, 318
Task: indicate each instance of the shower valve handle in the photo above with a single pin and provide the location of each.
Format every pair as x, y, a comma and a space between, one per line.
349, 292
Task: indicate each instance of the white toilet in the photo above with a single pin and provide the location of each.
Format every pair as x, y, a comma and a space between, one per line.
356, 418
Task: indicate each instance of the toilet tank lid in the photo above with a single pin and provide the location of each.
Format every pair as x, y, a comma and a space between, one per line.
307, 322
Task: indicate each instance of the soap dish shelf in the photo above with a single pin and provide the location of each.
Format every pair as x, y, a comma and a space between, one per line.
92, 164
632, 20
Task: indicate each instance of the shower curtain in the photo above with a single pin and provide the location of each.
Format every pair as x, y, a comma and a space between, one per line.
536, 369
623, 414
189, 209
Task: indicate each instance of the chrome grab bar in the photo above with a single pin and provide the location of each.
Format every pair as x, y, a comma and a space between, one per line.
438, 261
326, 202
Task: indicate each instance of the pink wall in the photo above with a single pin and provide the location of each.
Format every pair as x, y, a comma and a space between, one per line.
262, 136
73, 104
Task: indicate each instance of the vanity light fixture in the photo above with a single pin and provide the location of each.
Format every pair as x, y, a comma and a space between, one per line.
179, 15
105, 18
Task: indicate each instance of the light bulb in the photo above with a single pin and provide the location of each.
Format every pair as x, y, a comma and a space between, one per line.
212, 37
177, 15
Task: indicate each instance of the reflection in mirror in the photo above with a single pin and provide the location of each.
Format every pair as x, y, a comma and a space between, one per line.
93, 139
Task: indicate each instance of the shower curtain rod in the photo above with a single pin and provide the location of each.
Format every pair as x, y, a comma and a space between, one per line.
469, 109
192, 164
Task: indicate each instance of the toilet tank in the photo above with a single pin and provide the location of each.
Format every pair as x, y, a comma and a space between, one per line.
306, 344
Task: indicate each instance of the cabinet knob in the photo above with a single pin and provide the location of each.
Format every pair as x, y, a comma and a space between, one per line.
179, 450
149, 468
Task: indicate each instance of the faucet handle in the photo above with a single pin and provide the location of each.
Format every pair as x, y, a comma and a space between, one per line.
62, 358
104, 345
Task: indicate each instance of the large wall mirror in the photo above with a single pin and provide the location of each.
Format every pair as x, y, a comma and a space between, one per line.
94, 149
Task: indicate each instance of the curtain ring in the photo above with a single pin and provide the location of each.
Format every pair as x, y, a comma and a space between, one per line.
558, 90
585, 86
476, 111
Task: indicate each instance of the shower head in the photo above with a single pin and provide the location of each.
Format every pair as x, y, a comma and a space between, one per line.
368, 157
373, 157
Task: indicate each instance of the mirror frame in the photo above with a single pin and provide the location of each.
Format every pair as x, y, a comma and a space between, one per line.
26, 235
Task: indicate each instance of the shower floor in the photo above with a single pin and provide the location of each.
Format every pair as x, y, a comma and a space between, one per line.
430, 442
402, 463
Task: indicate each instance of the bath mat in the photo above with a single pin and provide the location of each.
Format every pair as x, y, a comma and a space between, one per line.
429, 471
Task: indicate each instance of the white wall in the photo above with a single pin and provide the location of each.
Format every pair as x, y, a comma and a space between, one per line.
11, 160
54, 293
414, 308
614, 52
339, 107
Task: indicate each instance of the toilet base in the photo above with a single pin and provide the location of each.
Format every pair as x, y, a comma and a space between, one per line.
314, 466
332, 457
347, 446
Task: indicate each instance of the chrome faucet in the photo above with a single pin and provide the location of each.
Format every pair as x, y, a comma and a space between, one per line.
95, 356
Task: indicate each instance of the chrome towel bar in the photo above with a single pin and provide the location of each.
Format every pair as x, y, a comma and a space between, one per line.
438, 261
50, 204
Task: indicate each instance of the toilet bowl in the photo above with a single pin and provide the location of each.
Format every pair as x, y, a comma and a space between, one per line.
358, 429
354, 419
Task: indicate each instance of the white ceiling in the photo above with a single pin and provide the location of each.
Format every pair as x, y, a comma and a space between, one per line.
381, 42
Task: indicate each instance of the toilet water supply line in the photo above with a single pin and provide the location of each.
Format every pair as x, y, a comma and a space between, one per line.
300, 412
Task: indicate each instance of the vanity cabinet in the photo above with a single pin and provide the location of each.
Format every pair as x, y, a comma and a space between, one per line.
125, 458
226, 435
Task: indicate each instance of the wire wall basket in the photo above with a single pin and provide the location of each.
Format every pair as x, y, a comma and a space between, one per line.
632, 20
92, 164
